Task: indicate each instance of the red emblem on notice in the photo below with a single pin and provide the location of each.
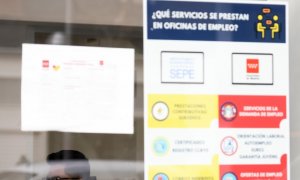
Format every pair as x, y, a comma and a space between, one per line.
101, 62
45, 63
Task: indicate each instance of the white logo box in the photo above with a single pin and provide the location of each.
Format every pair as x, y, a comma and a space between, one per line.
240, 63
182, 67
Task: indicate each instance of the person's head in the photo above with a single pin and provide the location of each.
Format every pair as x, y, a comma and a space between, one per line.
68, 164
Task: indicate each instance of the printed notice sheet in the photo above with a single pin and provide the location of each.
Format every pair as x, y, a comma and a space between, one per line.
77, 89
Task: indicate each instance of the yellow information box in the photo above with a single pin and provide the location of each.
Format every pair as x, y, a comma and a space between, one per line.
185, 172
182, 111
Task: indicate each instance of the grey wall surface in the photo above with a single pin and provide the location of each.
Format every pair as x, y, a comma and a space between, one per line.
294, 6
112, 12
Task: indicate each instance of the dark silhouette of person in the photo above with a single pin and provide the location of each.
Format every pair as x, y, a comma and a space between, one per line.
68, 164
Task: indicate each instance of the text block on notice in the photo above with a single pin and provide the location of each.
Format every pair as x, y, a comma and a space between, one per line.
77, 89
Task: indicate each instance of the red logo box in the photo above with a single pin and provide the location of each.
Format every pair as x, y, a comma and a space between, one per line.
45, 63
252, 66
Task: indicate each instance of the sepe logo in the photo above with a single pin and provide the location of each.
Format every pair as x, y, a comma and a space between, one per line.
252, 66
45, 63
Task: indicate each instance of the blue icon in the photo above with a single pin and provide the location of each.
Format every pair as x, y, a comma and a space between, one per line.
229, 176
160, 176
161, 146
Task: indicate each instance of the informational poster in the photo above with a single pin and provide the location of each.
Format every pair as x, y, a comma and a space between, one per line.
216, 90
77, 89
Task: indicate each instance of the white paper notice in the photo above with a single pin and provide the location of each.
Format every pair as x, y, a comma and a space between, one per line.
77, 89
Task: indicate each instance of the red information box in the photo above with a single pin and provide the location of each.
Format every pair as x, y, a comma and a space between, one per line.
251, 111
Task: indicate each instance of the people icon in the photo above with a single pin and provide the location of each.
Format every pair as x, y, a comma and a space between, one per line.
259, 26
267, 24
275, 27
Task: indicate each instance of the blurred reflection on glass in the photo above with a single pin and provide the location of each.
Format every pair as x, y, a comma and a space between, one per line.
68, 164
